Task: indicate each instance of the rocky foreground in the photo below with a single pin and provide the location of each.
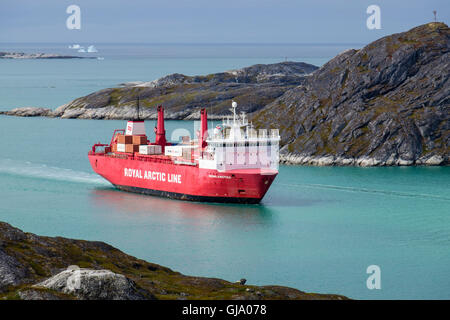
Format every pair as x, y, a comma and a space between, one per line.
22, 55
44, 268
386, 104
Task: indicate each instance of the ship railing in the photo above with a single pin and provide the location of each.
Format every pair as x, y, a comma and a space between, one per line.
248, 136
136, 156
156, 159
275, 133
262, 133
244, 141
117, 131
97, 146
119, 155
252, 133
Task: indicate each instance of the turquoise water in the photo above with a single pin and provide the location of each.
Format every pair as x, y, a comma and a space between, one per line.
317, 229
51, 83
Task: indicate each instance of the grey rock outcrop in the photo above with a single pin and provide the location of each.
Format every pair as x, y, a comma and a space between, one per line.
36, 294
28, 112
12, 272
87, 284
386, 104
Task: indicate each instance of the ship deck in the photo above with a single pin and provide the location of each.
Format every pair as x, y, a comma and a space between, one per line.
158, 158
177, 162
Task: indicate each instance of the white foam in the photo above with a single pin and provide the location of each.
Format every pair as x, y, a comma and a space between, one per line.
35, 170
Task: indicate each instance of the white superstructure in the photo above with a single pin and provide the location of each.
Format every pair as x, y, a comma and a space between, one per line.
237, 145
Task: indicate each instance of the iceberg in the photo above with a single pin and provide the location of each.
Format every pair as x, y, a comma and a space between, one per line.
75, 46
92, 49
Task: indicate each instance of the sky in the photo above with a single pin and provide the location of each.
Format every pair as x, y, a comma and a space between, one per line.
212, 21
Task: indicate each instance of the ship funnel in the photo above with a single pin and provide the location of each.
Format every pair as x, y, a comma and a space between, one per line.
203, 128
159, 130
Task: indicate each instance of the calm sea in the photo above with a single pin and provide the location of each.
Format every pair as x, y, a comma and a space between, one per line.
317, 229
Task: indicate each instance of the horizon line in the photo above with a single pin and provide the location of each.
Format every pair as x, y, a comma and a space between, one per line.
195, 43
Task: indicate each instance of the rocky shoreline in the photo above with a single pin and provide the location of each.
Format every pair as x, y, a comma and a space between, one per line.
35, 267
299, 159
23, 55
28, 112
106, 113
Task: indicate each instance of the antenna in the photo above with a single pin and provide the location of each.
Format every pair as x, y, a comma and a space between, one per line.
137, 106
435, 13
243, 117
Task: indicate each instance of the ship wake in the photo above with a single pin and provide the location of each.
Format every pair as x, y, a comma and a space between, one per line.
370, 191
42, 171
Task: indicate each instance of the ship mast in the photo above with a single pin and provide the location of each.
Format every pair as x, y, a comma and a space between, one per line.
233, 109
137, 106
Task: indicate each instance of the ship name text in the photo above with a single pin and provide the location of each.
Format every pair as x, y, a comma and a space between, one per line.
152, 175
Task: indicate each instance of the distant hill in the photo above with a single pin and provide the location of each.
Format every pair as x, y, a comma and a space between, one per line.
386, 104
183, 96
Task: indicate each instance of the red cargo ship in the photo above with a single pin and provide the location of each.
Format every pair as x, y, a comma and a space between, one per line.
230, 163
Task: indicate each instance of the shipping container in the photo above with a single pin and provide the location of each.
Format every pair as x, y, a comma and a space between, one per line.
139, 140
187, 153
124, 139
145, 149
150, 149
174, 151
131, 148
157, 149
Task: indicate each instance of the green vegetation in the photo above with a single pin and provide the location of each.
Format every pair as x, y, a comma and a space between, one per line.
114, 97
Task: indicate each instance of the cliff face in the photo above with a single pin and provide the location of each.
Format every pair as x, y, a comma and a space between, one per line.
183, 96
44, 268
385, 104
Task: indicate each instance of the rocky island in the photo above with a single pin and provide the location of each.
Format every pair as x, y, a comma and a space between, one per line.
182, 96
22, 55
44, 268
385, 104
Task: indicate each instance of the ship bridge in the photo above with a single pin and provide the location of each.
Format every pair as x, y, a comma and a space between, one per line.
236, 144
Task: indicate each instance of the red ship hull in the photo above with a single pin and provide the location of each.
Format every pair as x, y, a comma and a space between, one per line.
158, 175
